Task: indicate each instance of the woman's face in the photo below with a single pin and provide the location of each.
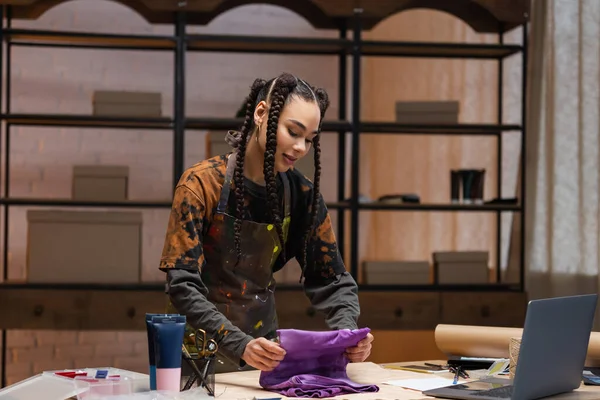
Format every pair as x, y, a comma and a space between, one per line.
298, 126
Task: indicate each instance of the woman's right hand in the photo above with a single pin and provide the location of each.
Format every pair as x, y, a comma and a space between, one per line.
263, 354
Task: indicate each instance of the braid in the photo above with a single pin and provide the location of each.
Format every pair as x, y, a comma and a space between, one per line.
257, 86
323, 102
279, 96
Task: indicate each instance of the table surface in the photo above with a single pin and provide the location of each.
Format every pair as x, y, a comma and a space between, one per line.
244, 385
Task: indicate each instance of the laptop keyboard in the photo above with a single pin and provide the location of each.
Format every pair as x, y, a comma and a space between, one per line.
503, 392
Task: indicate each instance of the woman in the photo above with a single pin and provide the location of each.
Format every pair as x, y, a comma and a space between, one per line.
232, 213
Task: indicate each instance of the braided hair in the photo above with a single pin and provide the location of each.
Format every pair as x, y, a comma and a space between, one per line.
277, 93
238, 175
323, 102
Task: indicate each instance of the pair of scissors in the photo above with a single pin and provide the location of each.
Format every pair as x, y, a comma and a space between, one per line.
206, 347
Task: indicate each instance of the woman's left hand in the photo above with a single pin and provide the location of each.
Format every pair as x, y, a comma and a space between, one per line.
361, 351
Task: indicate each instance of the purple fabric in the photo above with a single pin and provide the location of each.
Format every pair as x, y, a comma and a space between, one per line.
315, 364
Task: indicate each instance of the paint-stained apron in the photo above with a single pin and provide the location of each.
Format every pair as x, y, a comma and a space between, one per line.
243, 290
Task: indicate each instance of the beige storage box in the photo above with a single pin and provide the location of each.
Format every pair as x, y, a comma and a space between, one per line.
100, 182
462, 267
83, 246
463, 273
427, 112
216, 145
115, 103
473, 256
397, 272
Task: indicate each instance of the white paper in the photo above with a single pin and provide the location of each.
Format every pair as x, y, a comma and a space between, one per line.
421, 384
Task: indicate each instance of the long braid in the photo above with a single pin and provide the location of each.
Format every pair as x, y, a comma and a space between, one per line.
278, 98
323, 102
247, 127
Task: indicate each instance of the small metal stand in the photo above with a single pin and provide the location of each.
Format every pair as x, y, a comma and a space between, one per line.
201, 360
203, 372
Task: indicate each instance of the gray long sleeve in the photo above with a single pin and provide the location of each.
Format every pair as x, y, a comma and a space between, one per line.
188, 294
338, 300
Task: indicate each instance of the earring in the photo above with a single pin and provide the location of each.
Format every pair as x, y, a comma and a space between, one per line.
257, 129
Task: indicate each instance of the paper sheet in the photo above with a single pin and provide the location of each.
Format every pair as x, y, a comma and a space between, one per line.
421, 384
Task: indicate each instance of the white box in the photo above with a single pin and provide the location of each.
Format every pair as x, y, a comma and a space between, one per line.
100, 182
84, 246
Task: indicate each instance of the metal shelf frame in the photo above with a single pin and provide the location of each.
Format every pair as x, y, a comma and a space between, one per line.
348, 47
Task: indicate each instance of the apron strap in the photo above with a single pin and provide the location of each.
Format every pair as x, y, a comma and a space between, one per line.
222, 206
287, 196
227, 183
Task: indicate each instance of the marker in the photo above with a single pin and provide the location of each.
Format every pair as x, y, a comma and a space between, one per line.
456, 376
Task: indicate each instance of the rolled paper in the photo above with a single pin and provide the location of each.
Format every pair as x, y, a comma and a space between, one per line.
489, 341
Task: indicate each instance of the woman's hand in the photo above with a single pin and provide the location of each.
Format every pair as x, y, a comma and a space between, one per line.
361, 351
263, 354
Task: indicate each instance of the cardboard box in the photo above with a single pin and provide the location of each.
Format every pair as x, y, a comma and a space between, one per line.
397, 272
83, 246
427, 112
216, 145
460, 273
100, 182
474, 256
461, 267
127, 104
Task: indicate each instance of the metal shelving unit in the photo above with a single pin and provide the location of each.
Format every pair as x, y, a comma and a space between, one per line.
181, 43
343, 47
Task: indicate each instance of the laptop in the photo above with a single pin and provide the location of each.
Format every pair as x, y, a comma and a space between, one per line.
552, 354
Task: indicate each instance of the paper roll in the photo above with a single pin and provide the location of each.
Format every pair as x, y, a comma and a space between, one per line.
489, 341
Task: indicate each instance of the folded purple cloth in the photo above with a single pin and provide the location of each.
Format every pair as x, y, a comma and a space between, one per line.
315, 364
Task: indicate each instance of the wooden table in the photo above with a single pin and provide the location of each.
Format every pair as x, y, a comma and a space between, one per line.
244, 385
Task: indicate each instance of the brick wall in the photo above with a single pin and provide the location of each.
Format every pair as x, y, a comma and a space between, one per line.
62, 81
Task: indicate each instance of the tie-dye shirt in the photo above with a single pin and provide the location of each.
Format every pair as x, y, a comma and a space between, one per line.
327, 284
195, 201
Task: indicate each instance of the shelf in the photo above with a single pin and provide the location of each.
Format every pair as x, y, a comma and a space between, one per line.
24, 201
123, 307
383, 206
370, 127
31, 201
436, 129
258, 44
437, 50
87, 121
41, 38
160, 287
267, 44
136, 287
204, 123
491, 287
235, 123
